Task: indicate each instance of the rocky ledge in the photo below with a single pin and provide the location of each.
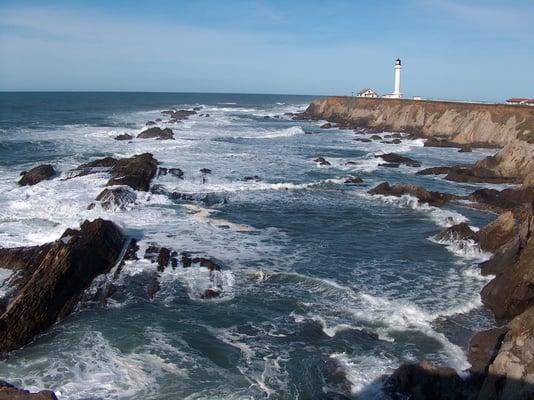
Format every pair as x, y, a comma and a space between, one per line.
48, 280
502, 358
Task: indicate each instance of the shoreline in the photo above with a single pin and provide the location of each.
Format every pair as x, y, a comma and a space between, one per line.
499, 369
132, 177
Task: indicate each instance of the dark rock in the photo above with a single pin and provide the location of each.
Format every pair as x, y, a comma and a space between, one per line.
398, 159
158, 119
150, 123
181, 196
424, 382
364, 140
161, 255
457, 232
136, 172
328, 125
475, 175
389, 165
116, 198
309, 133
10, 392
37, 174
434, 171
439, 142
177, 172
321, 161
351, 163
153, 286
436, 199
65, 271
505, 199
123, 136
210, 294
394, 141
376, 137
157, 133
465, 149
205, 171
353, 180
188, 261
96, 166
252, 178
179, 115
197, 108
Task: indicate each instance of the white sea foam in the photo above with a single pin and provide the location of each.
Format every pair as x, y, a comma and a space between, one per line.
442, 217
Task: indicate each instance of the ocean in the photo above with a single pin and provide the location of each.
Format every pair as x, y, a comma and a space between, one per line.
324, 287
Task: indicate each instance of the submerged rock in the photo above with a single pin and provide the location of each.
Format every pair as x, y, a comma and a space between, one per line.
376, 137
116, 198
328, 125
436, 199
398, 159
177, 172
254, 178
37, 174
157, 133
65, 269
210, 293
353, 180
123, 136
321, 161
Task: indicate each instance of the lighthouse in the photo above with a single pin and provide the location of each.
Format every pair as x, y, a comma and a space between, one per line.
397, 93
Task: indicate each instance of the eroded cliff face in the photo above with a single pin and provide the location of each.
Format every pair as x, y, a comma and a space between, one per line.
510, 127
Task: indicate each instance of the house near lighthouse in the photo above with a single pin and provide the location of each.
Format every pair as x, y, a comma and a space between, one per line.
396, 90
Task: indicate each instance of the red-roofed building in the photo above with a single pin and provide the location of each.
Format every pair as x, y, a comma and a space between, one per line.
520, 100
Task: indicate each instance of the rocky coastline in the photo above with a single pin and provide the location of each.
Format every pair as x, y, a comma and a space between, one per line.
50, 281
502, 358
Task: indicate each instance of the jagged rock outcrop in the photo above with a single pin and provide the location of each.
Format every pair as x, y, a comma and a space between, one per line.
157, 133
322, 161
457, 232
56, 276
511, 292
36, 175
511, 372
10, 392
436, 199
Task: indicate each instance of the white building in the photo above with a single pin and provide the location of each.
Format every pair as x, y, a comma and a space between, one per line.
396, 93
367, 93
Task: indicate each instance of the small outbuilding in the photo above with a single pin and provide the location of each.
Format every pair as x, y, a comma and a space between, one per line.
367, 93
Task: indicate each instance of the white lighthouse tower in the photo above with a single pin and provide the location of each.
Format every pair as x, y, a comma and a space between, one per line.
397, 93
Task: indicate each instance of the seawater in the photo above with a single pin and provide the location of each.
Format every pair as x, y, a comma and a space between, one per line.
325, 288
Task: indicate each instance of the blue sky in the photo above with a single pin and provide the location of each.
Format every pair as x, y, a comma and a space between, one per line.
450, 49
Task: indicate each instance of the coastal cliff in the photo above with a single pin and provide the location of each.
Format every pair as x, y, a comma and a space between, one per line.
449, 123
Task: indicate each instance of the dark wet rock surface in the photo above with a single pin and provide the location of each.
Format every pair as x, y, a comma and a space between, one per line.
157, 133
37, 174
60, 273
398, 159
